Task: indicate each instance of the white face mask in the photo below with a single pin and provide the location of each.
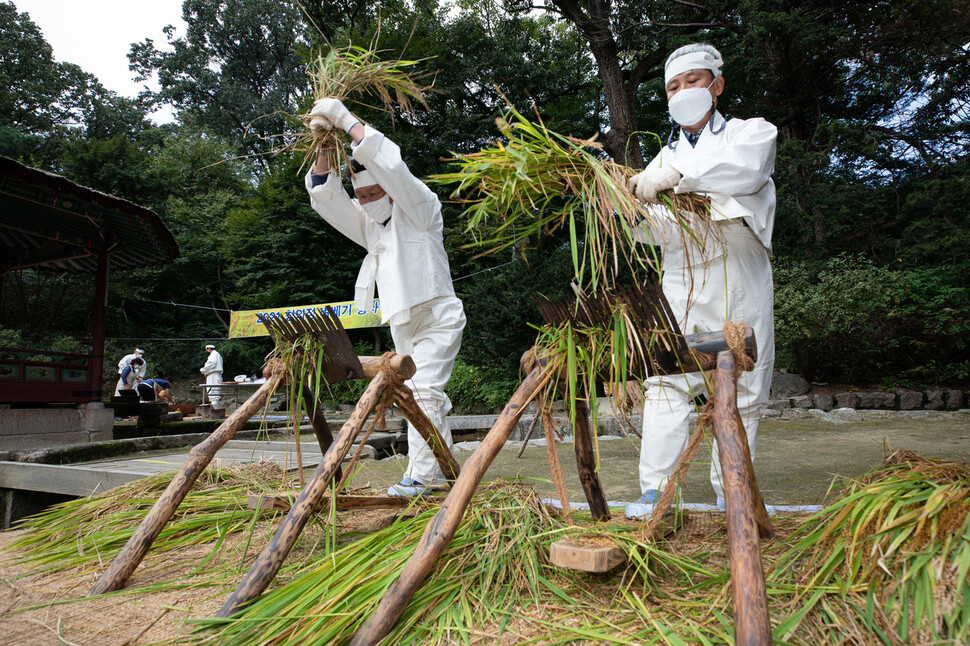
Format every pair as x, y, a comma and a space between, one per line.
689, 106
379, 210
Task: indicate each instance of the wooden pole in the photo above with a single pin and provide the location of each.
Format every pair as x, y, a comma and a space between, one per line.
270, 560
198, 459
441, 528
404, 400
586, 464
752, 626
321, 428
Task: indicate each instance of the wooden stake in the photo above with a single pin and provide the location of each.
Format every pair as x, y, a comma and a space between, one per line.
198, 459
321, 428
752, 626
404, 400
270, 560
441, 528
586, 463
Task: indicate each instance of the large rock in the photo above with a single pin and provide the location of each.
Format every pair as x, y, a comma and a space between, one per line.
824, 402
876, 400
910, 400
784, 385
952, 398
778, 404
803, 401
846, 400
934, 399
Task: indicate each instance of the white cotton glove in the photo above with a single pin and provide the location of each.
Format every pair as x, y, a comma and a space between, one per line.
646, 184
331, 113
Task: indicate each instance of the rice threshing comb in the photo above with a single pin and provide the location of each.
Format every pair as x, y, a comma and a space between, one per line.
340, 361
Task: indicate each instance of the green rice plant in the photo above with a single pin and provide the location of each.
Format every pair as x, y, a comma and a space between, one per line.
538, 181
84, 535
359, 73
493, 563
888, 560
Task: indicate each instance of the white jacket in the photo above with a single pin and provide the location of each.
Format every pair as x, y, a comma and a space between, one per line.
733, 168
213, 364
406, 257
139, 371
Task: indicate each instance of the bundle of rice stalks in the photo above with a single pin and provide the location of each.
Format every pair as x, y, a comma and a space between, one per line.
358, 73
493, 564
889, 561
539, 180
84, 535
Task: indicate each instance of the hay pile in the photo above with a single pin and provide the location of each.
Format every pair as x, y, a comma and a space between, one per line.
886, 563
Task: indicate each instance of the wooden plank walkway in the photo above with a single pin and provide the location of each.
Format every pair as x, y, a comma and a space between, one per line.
93, 477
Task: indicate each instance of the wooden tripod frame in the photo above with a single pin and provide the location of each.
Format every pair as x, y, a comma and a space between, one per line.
747, 518
384, 373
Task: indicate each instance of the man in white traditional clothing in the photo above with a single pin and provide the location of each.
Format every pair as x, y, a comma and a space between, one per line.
213, 375
397, 219
722, 274
135, 375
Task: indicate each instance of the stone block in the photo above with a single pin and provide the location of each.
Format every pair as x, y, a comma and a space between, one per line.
779, 404
952, 398
934, 399
846, 400
876, 400
824, 402
784, 385
824, 416
803, 401
795, 413
770, 413
910, 400
848, 414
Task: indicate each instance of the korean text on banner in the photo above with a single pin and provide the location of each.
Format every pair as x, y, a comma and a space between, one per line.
247, 324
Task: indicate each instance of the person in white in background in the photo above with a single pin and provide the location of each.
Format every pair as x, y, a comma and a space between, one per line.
725, 277
213, 374
138, 371
397, 219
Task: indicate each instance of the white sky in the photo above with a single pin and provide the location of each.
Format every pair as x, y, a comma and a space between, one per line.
97, 35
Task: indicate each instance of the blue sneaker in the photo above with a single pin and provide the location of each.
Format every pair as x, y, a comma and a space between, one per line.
643, 505
410, 488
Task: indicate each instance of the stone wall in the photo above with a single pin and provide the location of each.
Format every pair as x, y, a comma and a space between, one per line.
34, 428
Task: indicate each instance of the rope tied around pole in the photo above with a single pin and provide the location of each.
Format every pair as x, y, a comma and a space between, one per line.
734, 337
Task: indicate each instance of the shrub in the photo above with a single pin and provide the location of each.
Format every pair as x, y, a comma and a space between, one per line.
854, 320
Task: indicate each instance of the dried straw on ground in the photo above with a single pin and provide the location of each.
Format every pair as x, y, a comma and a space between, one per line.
494, 584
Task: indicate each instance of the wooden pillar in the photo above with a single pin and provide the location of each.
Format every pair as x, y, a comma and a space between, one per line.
586, 463
752, 627
441, 528
96, 365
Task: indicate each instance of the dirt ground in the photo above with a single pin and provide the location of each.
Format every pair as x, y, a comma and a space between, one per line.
796, 464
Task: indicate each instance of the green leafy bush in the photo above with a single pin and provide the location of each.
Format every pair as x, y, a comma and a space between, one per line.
479, 389
853, 320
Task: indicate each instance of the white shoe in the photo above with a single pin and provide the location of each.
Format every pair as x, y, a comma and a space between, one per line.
642, 506
410, 488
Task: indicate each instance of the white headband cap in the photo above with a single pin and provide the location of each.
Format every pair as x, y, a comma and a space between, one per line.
210, 346
362, 178
696, 60
139, 351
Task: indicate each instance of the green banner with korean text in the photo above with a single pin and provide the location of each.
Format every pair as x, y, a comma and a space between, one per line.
246, 323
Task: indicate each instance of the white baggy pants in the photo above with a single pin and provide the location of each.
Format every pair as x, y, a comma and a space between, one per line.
432, 338
737, 287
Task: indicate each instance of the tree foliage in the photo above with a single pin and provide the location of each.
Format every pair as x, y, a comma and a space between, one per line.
872, 171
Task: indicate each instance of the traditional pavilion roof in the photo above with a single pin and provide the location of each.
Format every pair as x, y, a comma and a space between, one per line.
49, 222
